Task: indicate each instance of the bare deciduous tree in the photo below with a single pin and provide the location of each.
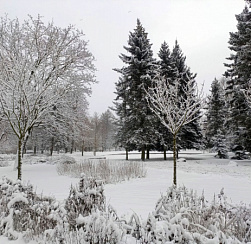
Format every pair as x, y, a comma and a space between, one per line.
39, 65
174, 110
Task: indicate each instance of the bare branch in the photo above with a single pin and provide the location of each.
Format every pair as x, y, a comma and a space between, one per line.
173, 109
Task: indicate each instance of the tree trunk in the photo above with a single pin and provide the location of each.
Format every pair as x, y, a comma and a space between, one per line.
19, 159
42, 149
24, 145
82, 148
164, 153
52, 146
126, 154
177, 153
35, 150
174, 161
148, 154
143, 153
72, 146
23, 149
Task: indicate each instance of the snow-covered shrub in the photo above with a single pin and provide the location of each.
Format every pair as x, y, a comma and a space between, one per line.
83, 218
220, 145
6, 159
183, 216
3, 163
85, 199
64, 159
86, 218
98, 227
107, 171
23, 211
48, 159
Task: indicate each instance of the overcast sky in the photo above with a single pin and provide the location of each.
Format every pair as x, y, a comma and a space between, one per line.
201, 27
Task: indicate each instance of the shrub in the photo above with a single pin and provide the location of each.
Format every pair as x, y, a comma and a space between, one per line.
183, 217
97, 227
3, 163
84, 200
87, 220
24, 211
180, 217
107, 171
6, 159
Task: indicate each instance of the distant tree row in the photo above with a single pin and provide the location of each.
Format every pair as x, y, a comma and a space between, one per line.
86, 133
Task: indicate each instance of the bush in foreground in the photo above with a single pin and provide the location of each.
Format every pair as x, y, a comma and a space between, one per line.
180, 217
183, 217
23, 211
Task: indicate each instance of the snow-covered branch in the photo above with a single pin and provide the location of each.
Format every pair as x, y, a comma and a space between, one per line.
247, 94
175, 106
40, 65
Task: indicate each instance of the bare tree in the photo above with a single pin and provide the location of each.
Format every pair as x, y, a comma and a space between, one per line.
174, 110
107, 130
39, 65
95, 120
3, 131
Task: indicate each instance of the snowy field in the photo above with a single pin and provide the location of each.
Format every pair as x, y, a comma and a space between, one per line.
201, 172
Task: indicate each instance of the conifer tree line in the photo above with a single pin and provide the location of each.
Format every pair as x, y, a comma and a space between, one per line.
228, 121
138, 126
226, 125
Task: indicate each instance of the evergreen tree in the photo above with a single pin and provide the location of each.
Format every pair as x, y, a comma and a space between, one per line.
167, 71
239, 76
167, 68
219, 144
136, 130
122, 136
190, 135
216, 112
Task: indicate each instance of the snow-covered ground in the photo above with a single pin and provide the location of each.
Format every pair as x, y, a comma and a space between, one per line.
201, 172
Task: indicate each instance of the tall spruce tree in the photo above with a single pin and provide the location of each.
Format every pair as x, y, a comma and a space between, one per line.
216, 113
190, 135
136, 120
239, 76
167, 68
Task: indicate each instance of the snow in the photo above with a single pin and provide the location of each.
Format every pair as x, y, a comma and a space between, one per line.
201, 172
18, 197
232, 163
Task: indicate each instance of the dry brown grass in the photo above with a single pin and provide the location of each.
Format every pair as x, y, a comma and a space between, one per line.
105, 170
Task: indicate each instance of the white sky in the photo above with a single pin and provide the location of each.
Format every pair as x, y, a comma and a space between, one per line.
201, 27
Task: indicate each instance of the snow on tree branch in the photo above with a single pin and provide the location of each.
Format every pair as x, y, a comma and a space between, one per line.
173, 109
40, 65
175, 106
